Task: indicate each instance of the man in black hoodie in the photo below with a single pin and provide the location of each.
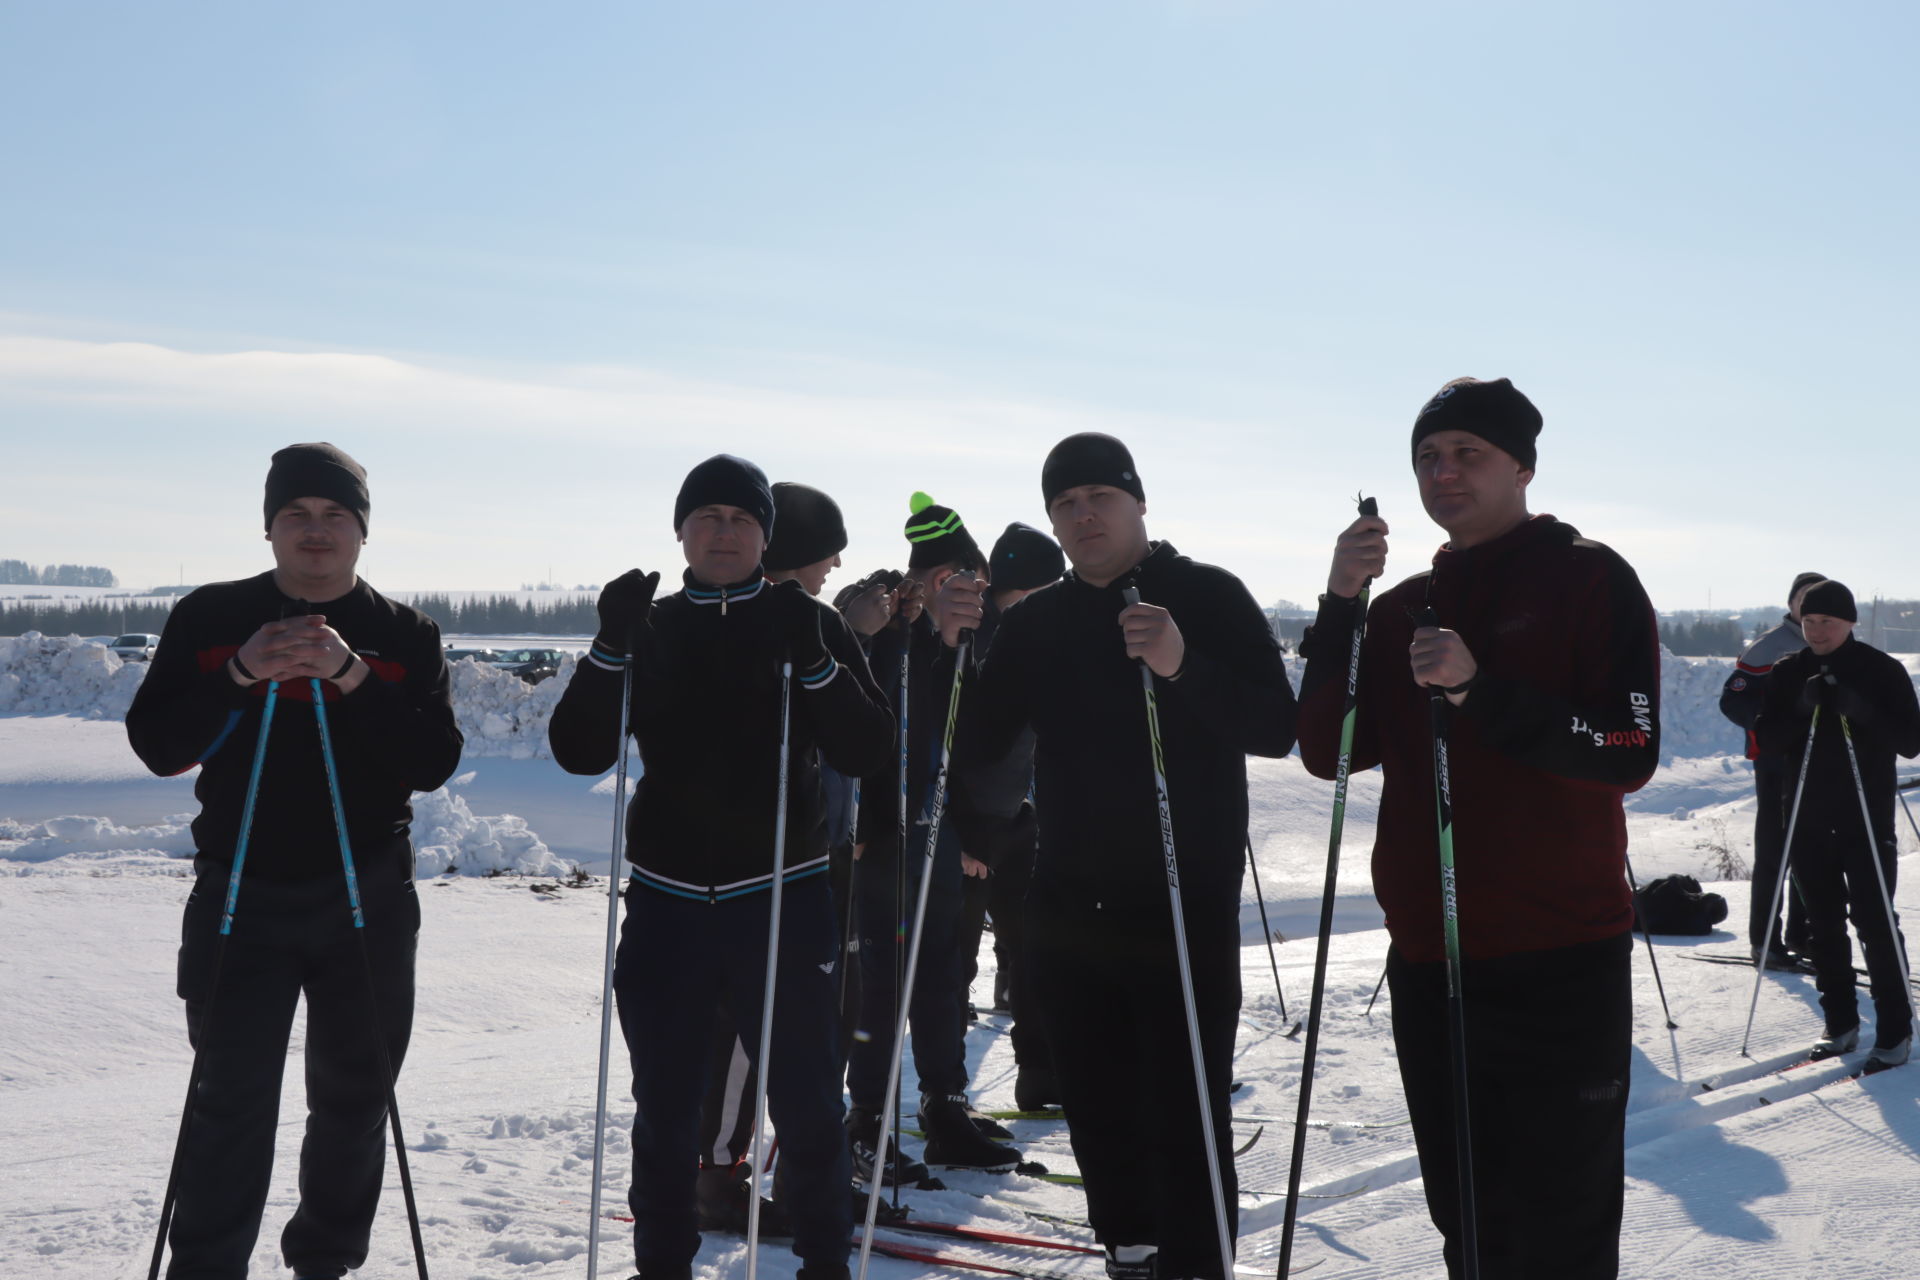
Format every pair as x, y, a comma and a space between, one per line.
1864, 696
227, 648
1066, 664
706, 709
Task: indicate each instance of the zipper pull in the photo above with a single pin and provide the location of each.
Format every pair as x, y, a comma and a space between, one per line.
723, 602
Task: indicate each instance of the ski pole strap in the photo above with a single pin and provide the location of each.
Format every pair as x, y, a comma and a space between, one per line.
339, 810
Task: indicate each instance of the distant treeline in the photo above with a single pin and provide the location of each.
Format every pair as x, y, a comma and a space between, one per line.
1703, 637
56, 575
509, 615
17, 617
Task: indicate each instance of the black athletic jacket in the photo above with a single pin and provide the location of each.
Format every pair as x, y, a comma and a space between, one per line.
392, 736
706, 713
1831, 800
1562, 721
1059, 665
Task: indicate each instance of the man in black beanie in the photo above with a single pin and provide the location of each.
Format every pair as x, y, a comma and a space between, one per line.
1863, 697
1065, 663
1740, 700
232, 650
706, 681
1545, 654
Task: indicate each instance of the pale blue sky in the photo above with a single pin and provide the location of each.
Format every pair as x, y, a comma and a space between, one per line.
529, 264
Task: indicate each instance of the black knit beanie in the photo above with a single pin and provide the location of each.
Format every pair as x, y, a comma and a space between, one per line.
938, 535
811, 527
1024, 558
725, 480
1803, 580
1495, 411
1832, 599
317, 471
1092, 457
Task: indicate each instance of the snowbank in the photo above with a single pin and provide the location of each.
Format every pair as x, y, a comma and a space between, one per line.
78, 677
502, 715
448, 839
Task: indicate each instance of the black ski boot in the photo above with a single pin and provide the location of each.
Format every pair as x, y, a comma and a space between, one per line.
955, 1141
863, 1135
1132, 1261
720, 1203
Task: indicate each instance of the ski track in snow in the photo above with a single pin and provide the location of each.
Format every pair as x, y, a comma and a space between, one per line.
1761, 1176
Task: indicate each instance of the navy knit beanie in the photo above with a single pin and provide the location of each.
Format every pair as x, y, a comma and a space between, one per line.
1024, 558
1832, 599
725, 480
811, 527
1091, 457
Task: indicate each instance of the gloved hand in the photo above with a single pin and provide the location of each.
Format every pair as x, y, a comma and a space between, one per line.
1851, 703
623, 609
1815, 692
796, 620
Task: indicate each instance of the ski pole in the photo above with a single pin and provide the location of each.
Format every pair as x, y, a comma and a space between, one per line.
1132, 597
900, 995
1659, 986
213, 982
1273, 961
892, 1097
1879, 874
1456, 996
373, 991
614, 875
1780, 886
773, 970
850, 936
1368, 507
1909, 812
1376, 991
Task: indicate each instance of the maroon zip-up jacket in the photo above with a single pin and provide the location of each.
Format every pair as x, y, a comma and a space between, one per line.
1562, 720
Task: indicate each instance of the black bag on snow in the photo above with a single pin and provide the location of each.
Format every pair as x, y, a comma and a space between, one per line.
1675, 904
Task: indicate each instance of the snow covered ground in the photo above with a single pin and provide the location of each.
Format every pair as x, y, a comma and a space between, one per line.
1760, 1177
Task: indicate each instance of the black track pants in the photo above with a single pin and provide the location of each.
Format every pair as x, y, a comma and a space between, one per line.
1549, 1038
291, 940
1109, 994
1836, 878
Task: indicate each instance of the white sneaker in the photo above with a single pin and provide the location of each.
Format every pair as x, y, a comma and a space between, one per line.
1833, 1046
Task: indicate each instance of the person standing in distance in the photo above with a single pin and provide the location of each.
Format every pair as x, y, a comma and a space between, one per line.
1065, 662
1547, 652
390, 716
1740, 699
1831, 858
706, 710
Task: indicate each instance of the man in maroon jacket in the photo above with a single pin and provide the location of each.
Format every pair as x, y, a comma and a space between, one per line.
1547, 651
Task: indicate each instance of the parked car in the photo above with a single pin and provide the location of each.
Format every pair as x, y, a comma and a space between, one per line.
478, 655
531, 665
135, 646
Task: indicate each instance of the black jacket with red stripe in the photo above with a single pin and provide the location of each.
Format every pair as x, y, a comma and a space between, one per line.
392, 736
1562, 720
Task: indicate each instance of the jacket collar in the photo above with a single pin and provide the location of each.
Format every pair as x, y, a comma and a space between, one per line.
733, 593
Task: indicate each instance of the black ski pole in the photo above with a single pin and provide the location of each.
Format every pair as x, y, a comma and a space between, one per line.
1634, 885
615, 867
1266, 930
1368, 507
1780, 885
378, 1024
890, 1111
849, 941
1879, 873
1221, 1222
773, 970
1376, 991
901, 1000
228, 909
1456, 996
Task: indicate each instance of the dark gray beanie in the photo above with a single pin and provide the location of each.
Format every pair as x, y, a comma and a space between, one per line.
724, 480
1495, 411
317, 471
1832, 599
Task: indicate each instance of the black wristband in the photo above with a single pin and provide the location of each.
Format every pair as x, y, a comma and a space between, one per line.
1463, 686
241, 667
352, 658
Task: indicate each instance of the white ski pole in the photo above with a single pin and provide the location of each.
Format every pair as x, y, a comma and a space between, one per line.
606, 982
773, 969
